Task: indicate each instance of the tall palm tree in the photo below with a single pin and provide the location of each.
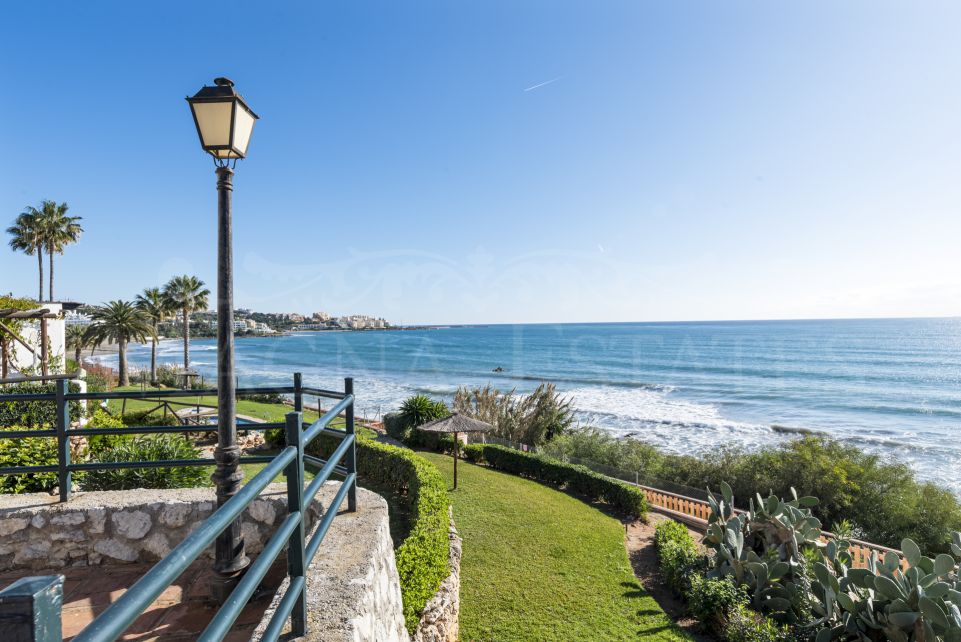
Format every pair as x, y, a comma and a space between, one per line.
122, 322
156, 306
27, 233
59, 231
186, 294
78, 339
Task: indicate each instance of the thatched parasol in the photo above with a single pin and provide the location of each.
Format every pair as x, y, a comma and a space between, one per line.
454, 424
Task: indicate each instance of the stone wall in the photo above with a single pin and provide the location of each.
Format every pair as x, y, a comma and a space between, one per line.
440, 620
353, 589
111, 527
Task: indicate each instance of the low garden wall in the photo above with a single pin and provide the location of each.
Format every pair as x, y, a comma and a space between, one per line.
125, 526
353, 584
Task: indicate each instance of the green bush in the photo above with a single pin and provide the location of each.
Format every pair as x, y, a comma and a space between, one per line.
744, 625
712, 600
28, 451
621, 496
884, 501
34, 414
678, 556
396, 426
145, 448
534, 419
149, 418
422, 558
474, 453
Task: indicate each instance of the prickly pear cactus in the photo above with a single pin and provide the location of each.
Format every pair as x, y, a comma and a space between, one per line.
766, 549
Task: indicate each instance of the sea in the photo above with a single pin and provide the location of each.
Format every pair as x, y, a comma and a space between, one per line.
889, 386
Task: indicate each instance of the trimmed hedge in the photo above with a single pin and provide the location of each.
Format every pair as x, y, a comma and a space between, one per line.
621, 496
29, 451
423, 557
34, 414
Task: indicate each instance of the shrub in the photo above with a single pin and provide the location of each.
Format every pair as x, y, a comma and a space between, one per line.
28, 451
34, 414
102, 419
474, 453
884, 501
621, 496
534, 419
712, 600
146, 448
744, 625
678, 556
269, 397
422, 558
421, 409
395, 426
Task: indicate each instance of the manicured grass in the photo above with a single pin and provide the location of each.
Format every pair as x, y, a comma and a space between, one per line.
266, 411
541, 565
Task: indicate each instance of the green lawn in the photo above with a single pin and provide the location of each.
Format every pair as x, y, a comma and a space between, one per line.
266, 411
540, 565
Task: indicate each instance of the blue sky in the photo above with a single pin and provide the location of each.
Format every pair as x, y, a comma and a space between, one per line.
685, 160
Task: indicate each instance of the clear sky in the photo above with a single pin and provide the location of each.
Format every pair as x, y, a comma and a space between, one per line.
506, 161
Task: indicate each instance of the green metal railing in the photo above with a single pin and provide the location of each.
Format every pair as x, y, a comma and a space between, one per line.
290, 461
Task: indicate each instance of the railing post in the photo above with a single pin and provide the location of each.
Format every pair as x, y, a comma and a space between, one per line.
352, 452
298, 394
30, 609
296, 564
63, 441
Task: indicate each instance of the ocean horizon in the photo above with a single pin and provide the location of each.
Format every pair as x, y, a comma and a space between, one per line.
889, 386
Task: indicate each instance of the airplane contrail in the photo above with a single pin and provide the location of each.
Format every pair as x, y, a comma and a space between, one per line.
546, 82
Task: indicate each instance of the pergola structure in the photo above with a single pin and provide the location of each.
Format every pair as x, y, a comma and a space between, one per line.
456, 424
7, 333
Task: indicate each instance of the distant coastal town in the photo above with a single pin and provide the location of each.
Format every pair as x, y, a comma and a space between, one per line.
250, 323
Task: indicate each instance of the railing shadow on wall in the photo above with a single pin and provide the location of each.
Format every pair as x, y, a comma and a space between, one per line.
290, 461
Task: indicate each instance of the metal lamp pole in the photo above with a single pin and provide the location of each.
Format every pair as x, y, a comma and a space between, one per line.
224, 124
231, 559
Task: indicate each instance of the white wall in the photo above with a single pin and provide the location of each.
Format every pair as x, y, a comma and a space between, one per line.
56, 335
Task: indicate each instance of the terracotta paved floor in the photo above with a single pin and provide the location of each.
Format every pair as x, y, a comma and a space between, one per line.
180, 613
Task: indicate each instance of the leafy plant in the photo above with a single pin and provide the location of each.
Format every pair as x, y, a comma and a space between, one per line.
623, 497
146, 448
712, 599
34, 414
534, 419
28, 451
765, 549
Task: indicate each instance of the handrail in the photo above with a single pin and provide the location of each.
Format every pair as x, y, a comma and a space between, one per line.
118, 616
290, 534
318, 426
62, 431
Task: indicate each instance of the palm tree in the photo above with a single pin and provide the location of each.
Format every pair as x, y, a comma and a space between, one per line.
122, 322
59, 231
156, 306
78, 339
186, 294
27, 233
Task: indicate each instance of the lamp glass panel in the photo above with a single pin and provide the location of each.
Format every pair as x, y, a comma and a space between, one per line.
243, 126
213, 120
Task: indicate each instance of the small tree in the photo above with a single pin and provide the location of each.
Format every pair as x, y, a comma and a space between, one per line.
122, 322
186, 294
156, 307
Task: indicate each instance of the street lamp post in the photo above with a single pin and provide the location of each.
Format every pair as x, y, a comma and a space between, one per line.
224, 123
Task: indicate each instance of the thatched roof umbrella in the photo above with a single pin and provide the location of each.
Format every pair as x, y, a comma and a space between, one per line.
454, 424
